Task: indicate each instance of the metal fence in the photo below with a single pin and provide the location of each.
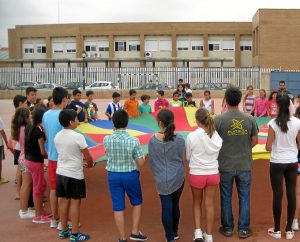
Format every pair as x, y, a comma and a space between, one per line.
132, 77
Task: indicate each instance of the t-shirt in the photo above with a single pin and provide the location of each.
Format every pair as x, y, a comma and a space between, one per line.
189, 104
261, 105
145, 108
74, 105
113, 107
32, 148
1, 128
236, 130
51, 126
284, 147
176, 103
69, 145
249, 103
132, 107
91, 109
207, 104
160, 104
273, 108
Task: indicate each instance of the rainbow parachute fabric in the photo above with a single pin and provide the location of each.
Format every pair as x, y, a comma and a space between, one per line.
144, 126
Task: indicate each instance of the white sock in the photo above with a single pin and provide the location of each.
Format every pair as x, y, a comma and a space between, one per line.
295, 220
208, 236
198, 234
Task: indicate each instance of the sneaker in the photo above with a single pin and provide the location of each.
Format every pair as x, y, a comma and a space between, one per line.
199, 240
79, 237
64, 234
47, 214
59, 226
243, 234
54, 223
207, 237
29, 214
3, 181
295, 225
41, 219
122, 240
272, 233
176, 236
289, 234
138, 237
225, 232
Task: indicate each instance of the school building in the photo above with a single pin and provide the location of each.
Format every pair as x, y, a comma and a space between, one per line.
271, 40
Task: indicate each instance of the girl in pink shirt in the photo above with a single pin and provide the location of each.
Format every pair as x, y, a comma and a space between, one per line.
272, 108
261, 104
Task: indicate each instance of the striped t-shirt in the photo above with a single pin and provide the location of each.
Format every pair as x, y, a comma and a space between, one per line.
249, 103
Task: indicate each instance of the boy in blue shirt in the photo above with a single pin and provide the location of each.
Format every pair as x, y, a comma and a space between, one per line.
78, 106
114, 105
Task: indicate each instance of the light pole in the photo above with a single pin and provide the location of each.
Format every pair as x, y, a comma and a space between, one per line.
84, 55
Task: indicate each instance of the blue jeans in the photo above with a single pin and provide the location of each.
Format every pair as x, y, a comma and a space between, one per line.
243, 184
171, 212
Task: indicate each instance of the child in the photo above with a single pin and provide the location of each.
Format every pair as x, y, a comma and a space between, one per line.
261, 104
295, 225
124, 154
176, 102
70, 186
19, 101
248, 101
272, 108
50, 102
189, 102
166, 158
161, 102
18, 124
202, 150
2, 156
181, 91
34, 160
131, 105
187, 88
31, 96
114, 106
145, 107
208, 103
92, 109
78, 106
69, 96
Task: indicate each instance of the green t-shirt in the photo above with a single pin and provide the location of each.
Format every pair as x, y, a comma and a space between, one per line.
145, 108
176, 103
236, 129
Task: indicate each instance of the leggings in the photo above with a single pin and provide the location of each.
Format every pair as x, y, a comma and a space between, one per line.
278, 172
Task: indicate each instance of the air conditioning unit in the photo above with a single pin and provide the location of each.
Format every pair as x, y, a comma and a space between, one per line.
148, 54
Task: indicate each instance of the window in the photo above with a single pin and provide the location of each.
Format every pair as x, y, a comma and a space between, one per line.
71, 47
214, 46
134, 45
41, 48
151, 45
197, 45
228, 44
165, 45
58, 48
28, 48
103, 45
90, 47
120, 46
246, 45
182, 45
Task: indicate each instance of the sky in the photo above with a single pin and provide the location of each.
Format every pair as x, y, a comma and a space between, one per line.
25, 12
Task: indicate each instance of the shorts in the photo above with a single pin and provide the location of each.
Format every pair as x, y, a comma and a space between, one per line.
124, 182
202, 181
16, 154
38, 180
2, 155
52, 165
22, 166
68, 187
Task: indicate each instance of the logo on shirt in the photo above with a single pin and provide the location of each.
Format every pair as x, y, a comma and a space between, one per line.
237, 128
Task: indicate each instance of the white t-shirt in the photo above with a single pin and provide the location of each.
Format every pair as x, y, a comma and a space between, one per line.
1, 128
69, 145
284, 147
202, 152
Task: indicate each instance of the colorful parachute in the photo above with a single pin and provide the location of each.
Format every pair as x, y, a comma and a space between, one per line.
144, 126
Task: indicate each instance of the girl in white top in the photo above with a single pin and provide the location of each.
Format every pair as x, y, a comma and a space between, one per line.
202, 150
282, 134
208, 103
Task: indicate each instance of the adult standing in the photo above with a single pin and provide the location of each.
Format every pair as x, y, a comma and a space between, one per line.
239, 133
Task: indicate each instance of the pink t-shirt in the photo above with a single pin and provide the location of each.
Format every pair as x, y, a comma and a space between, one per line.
273, 108
261, 107
160, 104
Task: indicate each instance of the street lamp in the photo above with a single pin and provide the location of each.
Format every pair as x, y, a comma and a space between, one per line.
84, 55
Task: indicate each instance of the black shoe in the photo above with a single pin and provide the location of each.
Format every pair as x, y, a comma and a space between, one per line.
225, 232
138, 237
122, 240
199, 240
176, 236
243, 234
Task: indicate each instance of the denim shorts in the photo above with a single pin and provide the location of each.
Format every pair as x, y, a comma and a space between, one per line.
124, 182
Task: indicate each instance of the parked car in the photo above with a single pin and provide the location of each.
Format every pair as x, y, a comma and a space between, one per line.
154, 86
73, 85
101, 85
24, 85
210, 86
46, 86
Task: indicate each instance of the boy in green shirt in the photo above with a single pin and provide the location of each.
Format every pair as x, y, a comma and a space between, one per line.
176, 102
145, 107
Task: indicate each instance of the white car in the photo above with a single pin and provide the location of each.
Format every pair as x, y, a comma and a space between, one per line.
101, 85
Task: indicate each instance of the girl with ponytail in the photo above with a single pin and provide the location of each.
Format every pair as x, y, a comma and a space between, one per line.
283, 132
202, 150
166, 158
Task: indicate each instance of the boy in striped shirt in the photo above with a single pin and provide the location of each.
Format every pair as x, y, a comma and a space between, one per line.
114, 105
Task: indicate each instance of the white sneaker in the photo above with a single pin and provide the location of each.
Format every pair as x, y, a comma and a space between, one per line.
272, 233
59, 226
289, 234
207, 237
295, 225
29, 214
198, 234
54, 224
